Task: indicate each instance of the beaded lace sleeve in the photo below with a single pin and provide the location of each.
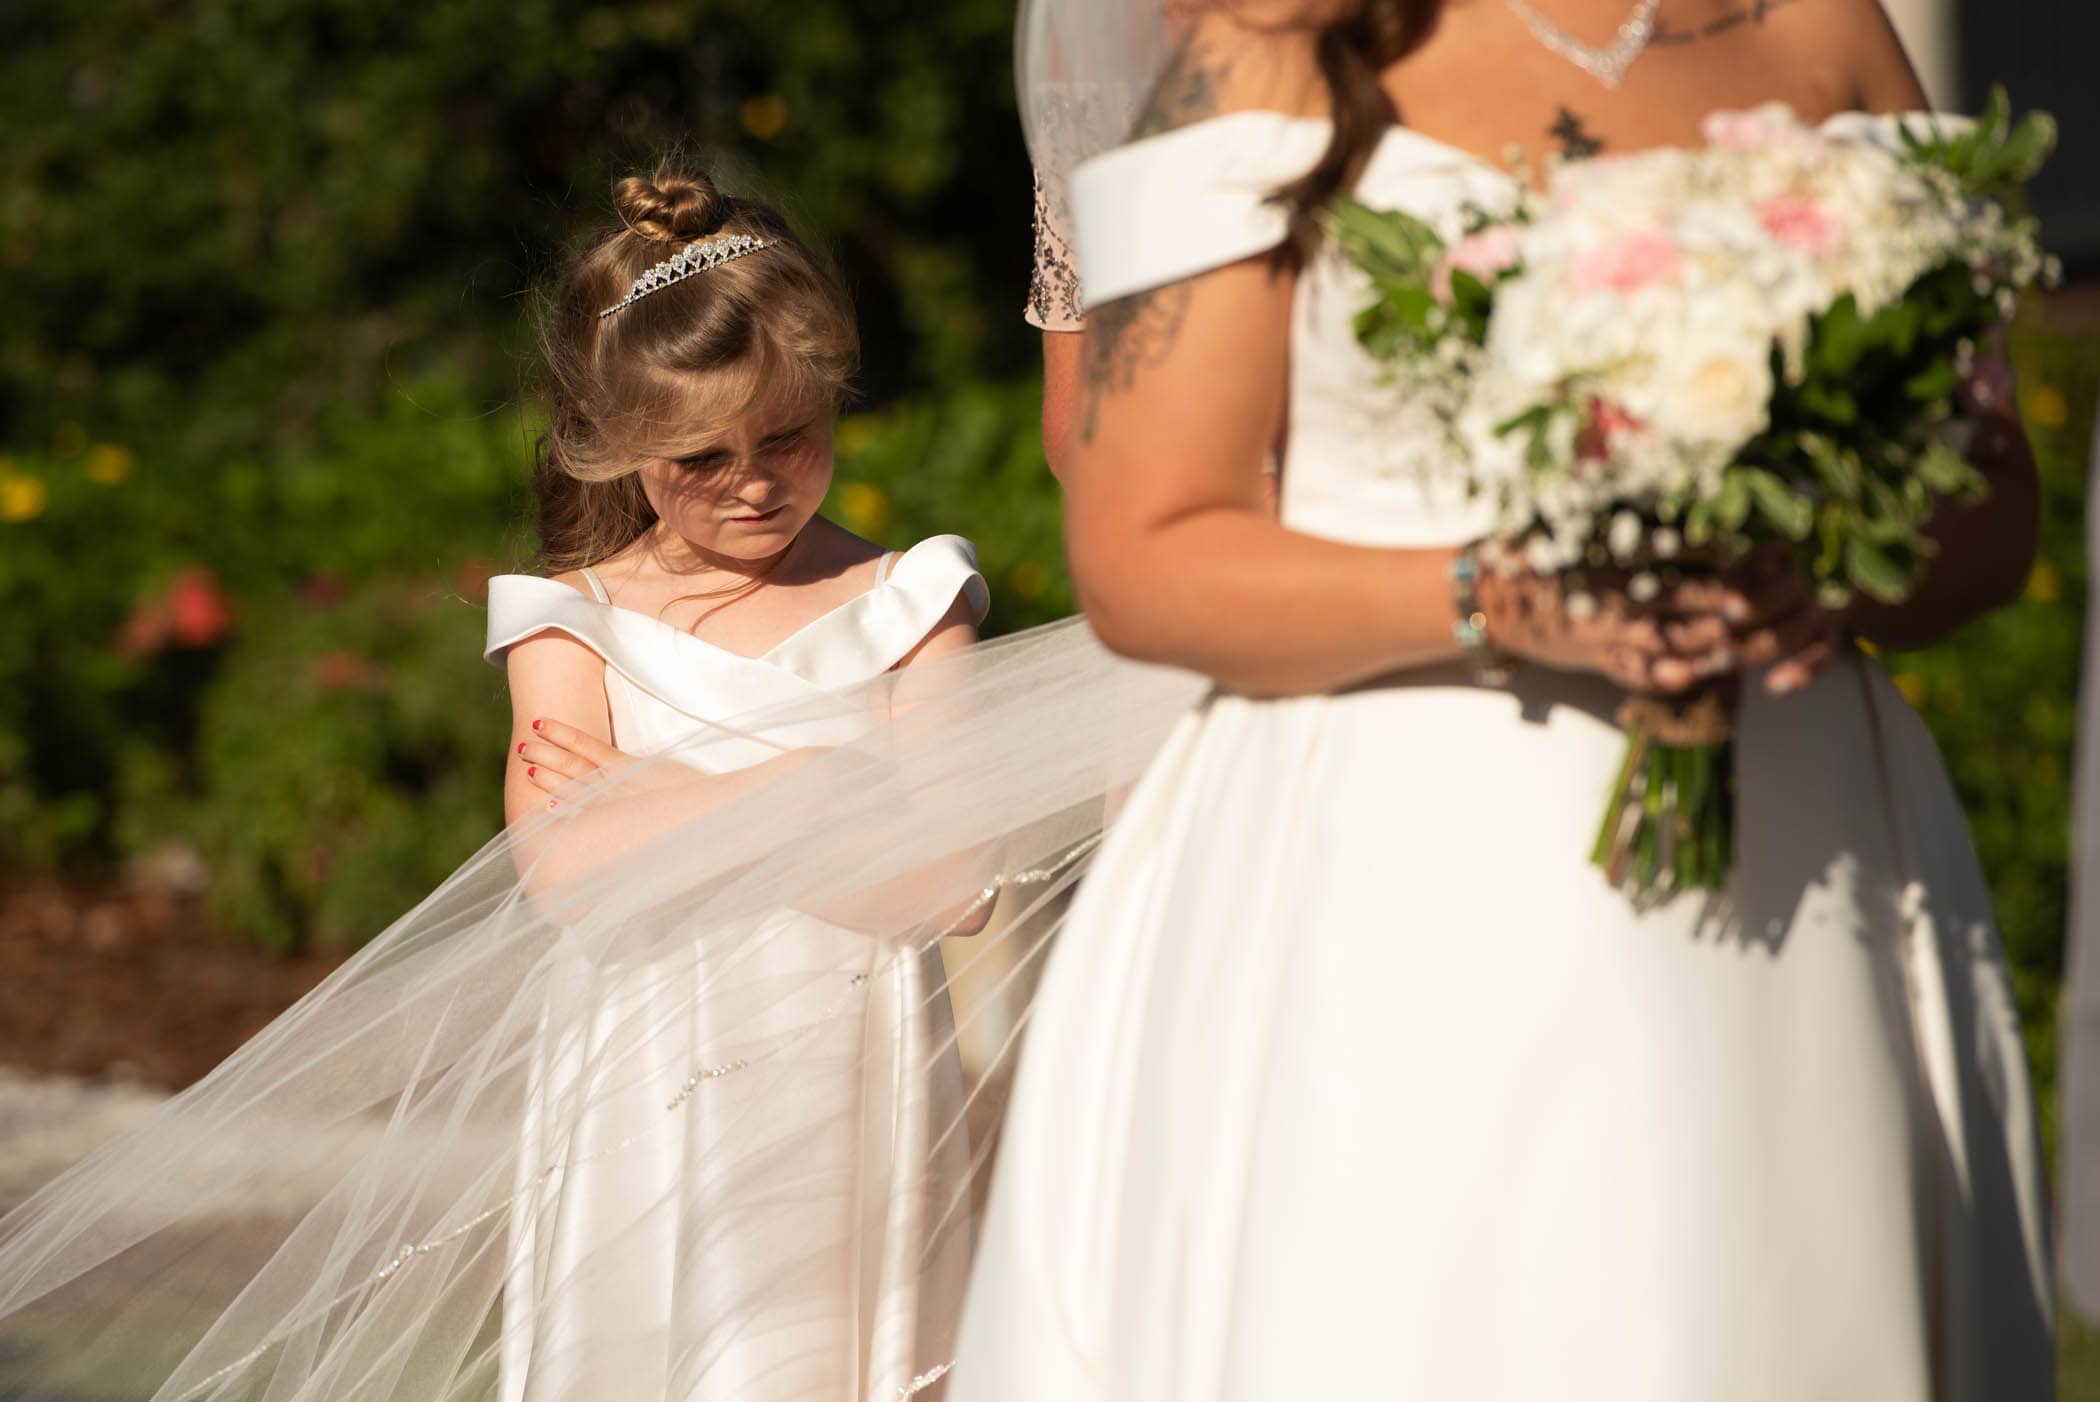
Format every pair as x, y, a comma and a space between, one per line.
1053, 292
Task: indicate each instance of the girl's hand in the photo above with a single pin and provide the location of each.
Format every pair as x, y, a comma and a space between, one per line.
559, 758
1704, 626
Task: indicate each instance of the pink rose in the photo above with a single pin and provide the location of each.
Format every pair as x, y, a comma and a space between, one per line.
1629, 263
1608, 423
1485, 256
1770, 127
1800, 223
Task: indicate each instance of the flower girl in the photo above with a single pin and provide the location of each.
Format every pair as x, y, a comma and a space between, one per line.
696, 358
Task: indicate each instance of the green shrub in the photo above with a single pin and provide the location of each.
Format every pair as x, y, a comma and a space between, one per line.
969, 463
133, 580
348, 756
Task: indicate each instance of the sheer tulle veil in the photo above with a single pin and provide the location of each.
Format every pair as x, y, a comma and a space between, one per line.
334, 1213
330, 1214
1084, 69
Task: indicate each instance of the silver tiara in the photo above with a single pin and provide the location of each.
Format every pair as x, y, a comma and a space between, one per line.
690, 261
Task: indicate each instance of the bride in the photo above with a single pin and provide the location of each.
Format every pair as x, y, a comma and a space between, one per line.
1349, 1076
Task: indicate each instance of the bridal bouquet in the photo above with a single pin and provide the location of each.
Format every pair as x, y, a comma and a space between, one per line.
1672, 357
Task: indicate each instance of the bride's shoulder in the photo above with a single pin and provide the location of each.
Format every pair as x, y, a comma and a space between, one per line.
1258, 57
1882, 76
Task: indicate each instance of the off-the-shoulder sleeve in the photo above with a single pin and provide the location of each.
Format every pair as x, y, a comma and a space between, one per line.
521, 605
1172, 206
880, 628
1053, 290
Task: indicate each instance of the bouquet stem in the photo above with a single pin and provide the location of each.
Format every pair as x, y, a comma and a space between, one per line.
1669, 821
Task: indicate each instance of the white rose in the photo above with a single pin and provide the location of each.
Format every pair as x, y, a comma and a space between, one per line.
1722, 396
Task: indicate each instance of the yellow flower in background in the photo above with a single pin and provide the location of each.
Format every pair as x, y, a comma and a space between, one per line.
1028, 580
2046, 584
109, 463
2046, 406
1912, 686
22, 497
1867, 646
764, 116
865, 506
854, 435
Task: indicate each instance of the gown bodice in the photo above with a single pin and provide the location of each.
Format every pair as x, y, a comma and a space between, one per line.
671, 692
1362, 461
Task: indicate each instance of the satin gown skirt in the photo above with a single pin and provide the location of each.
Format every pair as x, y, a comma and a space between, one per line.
1350, 1078
788, 1224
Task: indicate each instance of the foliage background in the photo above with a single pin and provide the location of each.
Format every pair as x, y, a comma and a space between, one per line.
266, 269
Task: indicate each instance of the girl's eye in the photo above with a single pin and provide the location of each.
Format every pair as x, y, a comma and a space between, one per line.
790, 438
703, 462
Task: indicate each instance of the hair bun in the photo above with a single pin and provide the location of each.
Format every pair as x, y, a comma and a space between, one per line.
673, 206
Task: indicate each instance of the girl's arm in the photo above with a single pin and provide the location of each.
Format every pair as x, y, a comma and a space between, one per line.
553, 678
560, 726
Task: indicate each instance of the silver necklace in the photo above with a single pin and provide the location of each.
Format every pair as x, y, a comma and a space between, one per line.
1607, 65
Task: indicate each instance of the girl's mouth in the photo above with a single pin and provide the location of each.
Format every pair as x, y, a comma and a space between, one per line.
760, 518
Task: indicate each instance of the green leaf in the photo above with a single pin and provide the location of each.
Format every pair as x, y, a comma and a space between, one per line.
1783, 509
1838, 470
1934, 383
1732, 503
2028, 148
1873, 573
1947, 473
1838, 339
1830, 402
1387, 244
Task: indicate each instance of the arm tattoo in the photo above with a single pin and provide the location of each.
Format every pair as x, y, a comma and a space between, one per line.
1753, 12
1136, 332
1123, 337
1576, 141
1187, 90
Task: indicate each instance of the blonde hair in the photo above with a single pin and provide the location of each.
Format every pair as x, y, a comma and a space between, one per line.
668, 375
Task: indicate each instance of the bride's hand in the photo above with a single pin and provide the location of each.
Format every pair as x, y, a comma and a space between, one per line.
1701, 627
1758, 613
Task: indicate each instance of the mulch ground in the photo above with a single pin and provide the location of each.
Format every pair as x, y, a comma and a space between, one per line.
125, 984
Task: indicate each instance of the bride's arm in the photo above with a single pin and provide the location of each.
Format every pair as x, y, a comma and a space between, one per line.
1180, 398
1175, 549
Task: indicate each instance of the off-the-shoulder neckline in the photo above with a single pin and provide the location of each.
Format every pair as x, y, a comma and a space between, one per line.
1402, 135
771, 654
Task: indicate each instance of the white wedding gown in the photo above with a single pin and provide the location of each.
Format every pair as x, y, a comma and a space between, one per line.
786, 1237
1350, 1078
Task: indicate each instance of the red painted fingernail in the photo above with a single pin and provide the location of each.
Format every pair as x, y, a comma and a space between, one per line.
536, 725
521, 747
531, 769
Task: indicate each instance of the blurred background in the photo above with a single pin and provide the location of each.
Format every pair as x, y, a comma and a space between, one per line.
266, 280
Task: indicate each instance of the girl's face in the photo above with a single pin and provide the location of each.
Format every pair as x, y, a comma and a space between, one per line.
749, 495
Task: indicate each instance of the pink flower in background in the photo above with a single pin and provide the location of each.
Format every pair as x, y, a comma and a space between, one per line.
197, 612
1801, 223
341, 669
193, 612
1629, 262
322, 590
1485, 255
